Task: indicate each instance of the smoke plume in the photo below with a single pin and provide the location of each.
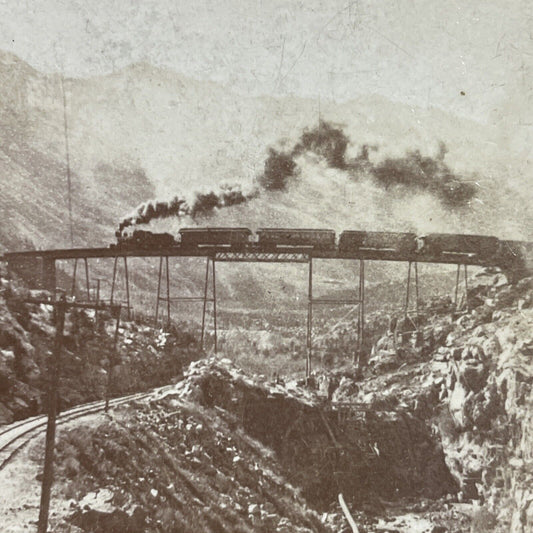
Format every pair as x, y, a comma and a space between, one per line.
413, 172
203, 204
327, 141
422, 173
279, 168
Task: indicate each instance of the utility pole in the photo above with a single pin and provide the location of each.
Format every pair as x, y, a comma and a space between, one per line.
53, 385
67, 152
60, 307
112, 359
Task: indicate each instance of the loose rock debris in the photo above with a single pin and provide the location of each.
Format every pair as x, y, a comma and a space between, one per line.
435, 436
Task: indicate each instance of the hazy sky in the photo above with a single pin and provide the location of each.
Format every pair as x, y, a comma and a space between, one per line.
422, 52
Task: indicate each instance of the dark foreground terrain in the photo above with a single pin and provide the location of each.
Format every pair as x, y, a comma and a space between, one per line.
434, 436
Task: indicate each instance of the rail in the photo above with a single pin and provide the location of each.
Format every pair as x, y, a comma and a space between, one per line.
15, 436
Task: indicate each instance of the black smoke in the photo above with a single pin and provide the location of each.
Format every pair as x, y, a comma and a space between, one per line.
205, 204
327, 141
415, 172
152, 209
279, 168
202, 205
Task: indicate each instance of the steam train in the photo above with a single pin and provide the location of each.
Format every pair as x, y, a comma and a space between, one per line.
454, 247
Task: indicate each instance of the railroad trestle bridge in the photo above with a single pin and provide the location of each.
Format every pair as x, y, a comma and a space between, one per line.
39, 269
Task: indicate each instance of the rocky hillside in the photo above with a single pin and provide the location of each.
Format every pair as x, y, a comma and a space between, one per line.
469, 376
143, 357
432, 434
489, 396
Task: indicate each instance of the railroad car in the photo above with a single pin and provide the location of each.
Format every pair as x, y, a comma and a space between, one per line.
353, 241
320, 239
213, 237
479, 246
145, 240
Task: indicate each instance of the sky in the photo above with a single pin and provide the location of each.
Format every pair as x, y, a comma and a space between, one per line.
472, 58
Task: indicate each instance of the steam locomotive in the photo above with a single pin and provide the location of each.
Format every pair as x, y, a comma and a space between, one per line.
144, 240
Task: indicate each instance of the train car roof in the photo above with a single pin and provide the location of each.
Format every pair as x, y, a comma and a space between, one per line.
214, 229
307, 230
378, 232
458, 235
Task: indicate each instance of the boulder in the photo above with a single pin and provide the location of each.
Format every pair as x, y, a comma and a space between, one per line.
491, 348
346, 390
6, 378
457, 401
115, 522
473, 374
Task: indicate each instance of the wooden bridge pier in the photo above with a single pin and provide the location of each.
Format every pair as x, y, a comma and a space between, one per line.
407, 311
127, 283
39, 272
87, 283
205, 299
359, 302
457, 283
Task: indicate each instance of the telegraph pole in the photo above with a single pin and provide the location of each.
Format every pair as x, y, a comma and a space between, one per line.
60, 307
112, 356
53, 373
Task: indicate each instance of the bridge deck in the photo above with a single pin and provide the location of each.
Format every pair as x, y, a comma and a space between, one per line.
250, 253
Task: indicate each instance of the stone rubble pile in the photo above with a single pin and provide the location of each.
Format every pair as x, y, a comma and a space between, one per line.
169, 464
469, 375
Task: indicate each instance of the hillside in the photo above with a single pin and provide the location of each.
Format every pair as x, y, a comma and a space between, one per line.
144, 133
180, 135
433, 436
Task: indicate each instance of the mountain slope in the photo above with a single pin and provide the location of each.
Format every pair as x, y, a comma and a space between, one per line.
144, 132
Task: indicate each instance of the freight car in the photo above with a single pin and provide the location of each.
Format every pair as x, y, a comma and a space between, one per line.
275, 238
481, 247
354, 241
215, 237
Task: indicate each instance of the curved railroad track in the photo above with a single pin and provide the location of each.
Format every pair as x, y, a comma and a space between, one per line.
15, 436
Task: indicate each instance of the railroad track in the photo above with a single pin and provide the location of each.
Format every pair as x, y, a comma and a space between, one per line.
17, 435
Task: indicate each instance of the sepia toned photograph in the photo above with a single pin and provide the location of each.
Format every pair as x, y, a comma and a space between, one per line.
266, 266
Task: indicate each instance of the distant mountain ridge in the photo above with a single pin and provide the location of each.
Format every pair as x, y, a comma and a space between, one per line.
144, 132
